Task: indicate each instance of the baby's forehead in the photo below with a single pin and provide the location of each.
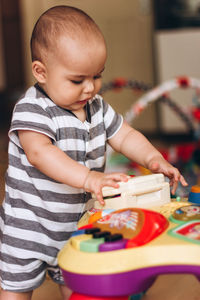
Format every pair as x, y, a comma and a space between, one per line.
76, 48
73, 52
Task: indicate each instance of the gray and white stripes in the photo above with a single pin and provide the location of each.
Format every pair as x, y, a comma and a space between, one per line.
38, 213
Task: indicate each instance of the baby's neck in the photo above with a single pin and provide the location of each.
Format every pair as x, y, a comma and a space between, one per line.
80, 114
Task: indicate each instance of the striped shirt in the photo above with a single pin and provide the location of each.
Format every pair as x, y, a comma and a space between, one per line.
38, 213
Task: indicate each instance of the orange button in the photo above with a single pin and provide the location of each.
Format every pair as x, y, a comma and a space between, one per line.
195, 189
96, 216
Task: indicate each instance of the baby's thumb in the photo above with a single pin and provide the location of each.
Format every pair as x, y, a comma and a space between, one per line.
154, 166
99, 197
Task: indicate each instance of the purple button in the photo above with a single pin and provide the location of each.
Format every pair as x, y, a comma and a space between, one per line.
110, 246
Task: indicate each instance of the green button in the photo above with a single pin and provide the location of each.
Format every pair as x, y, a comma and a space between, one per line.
91, 245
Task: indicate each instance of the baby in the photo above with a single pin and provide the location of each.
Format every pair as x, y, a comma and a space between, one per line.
58, 136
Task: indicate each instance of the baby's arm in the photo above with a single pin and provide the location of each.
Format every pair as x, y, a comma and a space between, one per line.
54, 163
136, 147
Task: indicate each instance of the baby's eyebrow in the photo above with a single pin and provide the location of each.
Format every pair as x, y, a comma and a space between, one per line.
85, 75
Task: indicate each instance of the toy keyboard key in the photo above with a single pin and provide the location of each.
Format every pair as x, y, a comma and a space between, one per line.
78, 239
78, 232
101, 234
92, 230
113, 237
91, 245
110, 246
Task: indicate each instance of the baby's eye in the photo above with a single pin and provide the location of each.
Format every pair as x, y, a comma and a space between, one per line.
77, 81
97, 76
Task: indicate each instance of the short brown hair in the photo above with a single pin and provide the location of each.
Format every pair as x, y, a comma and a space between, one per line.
56, 21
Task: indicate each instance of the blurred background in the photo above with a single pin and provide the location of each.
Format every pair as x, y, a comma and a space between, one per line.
148, 41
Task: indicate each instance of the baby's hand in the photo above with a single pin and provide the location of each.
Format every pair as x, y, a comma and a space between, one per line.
160, 165
95, 181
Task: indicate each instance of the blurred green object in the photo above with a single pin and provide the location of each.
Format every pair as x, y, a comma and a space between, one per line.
118, 159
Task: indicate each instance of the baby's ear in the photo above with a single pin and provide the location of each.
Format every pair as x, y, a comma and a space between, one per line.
39, 71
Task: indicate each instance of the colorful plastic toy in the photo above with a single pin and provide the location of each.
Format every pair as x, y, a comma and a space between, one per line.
76, 296
121, 252
194, 195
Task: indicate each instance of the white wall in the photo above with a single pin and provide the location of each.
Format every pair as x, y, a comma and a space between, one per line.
178, 54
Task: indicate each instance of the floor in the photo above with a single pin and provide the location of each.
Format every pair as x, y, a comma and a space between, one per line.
166, 287
48, 291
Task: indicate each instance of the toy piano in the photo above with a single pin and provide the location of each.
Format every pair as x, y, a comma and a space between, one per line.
120, 250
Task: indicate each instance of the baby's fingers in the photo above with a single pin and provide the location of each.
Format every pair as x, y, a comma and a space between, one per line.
174, 184
99, 198
111, 180
175, 180
106, 182
118, 177
183, 181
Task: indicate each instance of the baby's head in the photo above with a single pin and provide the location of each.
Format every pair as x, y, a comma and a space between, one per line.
58, 22
67, 45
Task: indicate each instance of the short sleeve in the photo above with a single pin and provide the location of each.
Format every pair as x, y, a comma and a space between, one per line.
112, 120
29, 115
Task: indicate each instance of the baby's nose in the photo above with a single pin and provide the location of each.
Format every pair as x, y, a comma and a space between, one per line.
89, 86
